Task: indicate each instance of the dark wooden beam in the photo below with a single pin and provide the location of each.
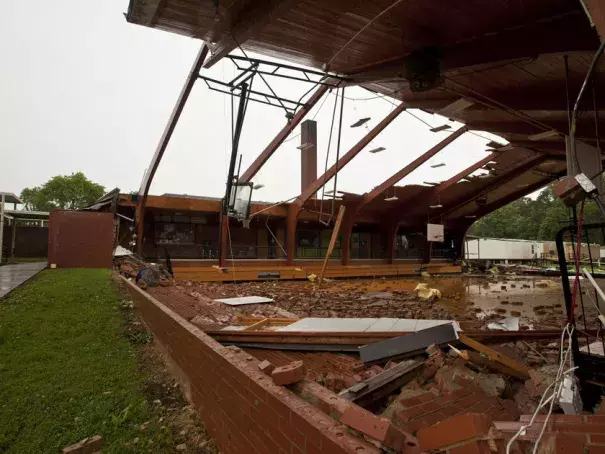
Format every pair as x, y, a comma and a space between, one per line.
248, 24
296, 206
409, 207
369, 196
282, 135
348, 157
515, 172
596, 10
512, 44
163, 144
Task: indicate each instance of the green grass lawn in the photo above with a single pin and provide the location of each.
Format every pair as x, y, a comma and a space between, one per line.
68, 371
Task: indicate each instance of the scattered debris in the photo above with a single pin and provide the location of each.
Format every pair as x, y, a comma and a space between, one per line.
241, 300
266, 367
494, 355
408, 345
86, 446
425, 293
380, 429
290, 374
506, 324
383, 384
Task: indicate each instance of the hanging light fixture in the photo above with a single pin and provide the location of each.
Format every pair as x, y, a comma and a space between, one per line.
377, 150
361, 122
393, 198
440, 128
434, 166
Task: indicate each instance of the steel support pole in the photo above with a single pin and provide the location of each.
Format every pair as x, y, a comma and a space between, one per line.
224, 227
163, 144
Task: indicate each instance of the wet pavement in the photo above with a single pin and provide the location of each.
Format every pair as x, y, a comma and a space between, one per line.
12, 276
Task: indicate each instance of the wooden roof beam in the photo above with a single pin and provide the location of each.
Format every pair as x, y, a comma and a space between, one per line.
348, 157
512, 44
369, 196
491, 207
248, 24
402, 207
596, 11
497, 182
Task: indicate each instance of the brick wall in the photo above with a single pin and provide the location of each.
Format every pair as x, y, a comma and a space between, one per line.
80, 239
243, 410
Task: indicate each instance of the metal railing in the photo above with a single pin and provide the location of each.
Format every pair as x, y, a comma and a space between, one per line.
588, 341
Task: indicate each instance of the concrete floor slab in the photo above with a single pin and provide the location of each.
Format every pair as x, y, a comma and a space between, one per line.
11, 276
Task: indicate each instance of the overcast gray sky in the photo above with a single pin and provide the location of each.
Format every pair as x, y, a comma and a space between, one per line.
83, 90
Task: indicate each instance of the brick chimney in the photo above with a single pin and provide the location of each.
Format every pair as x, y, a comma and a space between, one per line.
308, 153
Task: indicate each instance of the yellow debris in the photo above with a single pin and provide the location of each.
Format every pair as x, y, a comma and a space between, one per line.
425, 293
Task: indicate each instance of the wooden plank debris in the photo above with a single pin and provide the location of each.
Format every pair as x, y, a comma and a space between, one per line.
341, 213
257, 325
383, 384
405, 345
494, 355
477, 359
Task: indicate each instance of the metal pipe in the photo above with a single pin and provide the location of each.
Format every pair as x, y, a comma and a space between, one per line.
236, 136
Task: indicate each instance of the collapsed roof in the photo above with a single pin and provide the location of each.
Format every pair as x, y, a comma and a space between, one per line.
500, 67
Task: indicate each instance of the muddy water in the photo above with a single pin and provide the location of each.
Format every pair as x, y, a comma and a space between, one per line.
532, 299
535, 300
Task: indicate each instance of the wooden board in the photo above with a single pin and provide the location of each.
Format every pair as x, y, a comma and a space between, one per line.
494, 355
335, 231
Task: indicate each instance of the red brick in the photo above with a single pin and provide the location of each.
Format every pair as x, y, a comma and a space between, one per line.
410, 413
454, 430
597, 439
295, 436
434, 418
430, 407
411, 402
583, 428
380, 429
596, 450
562, 443
598, 419
266, 367
426, 397
287, 375
474, 447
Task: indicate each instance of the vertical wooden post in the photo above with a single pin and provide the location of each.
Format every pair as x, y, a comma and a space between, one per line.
341, 213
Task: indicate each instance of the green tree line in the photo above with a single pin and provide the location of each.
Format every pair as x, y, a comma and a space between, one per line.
64, 192
533, 219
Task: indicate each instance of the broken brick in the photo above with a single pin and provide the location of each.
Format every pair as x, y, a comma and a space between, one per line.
287, 375
454, 430
266, 367
380, 429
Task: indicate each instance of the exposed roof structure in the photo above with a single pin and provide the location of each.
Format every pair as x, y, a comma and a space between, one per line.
9, 197
496, 66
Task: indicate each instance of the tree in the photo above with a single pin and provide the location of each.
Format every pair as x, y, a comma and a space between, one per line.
538, 219
65, 192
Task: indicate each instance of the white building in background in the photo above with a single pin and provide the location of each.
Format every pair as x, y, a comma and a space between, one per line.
504, 249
